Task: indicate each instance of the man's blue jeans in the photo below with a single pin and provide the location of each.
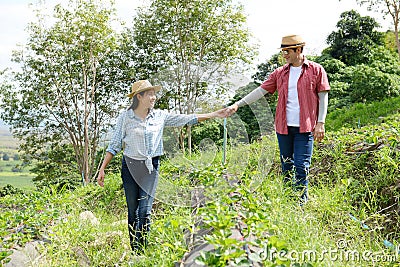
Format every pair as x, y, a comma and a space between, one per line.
139, 202
295, 152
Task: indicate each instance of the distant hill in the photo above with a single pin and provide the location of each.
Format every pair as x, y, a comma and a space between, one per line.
7, 142
4, 131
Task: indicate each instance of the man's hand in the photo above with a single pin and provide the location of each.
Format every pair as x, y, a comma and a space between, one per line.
319, 131
231, 110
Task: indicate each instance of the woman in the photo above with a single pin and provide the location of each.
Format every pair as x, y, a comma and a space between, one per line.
139, 133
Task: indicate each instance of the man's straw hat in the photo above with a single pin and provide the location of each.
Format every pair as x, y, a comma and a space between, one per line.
140, 86
292, 41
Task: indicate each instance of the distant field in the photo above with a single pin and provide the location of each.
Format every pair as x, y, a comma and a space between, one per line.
8, 144
21, 179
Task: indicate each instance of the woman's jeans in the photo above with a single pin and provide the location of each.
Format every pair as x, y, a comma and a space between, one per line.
295, 152
138, 198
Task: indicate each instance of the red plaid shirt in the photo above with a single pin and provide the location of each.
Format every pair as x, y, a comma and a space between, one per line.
312, 80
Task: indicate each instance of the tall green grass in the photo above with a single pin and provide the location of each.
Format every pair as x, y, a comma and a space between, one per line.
361, 114
346, 179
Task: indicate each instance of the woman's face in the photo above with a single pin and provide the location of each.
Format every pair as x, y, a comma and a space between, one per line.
148, 99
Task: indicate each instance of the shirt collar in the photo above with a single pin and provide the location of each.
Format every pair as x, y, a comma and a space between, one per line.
131, 114
306, 62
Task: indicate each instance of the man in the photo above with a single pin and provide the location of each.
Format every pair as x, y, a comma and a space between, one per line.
302, 87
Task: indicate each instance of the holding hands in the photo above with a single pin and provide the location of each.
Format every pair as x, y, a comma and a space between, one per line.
225, 112
221, 113
231, 110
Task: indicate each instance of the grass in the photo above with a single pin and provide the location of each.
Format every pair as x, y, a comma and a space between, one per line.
346, 178
270, 212
20, 179
360, 114
23, 181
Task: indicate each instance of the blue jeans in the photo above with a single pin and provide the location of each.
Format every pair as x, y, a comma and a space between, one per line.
139, 201
295, 153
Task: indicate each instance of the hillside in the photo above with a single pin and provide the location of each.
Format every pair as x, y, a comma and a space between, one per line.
352, 218
7, 142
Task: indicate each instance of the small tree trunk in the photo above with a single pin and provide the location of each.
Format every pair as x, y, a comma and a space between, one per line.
86, 158
189, 136
182, 139
396, 34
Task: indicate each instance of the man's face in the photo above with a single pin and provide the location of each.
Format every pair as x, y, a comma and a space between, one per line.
291, 55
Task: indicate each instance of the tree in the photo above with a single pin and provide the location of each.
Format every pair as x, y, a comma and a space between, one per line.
390, 41
387, 7
71, 70
191, 45
257, 117
57, 169
378, 79
265, 69
354, 39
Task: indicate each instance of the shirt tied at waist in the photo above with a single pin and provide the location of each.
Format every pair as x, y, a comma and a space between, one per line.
149, 163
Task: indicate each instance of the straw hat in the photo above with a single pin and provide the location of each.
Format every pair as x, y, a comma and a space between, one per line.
292, 41
140, 86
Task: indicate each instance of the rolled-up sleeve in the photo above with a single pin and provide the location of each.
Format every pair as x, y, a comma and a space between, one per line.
323, 84
115, 144
176, 120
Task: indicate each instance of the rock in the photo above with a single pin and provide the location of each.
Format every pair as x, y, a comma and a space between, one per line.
121, 222
83, 259
190, 258
25, 256
89, 216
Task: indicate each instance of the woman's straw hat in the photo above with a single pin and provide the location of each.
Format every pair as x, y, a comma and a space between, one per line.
292, 41
140, 86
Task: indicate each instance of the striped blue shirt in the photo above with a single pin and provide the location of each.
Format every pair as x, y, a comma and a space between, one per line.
142, 139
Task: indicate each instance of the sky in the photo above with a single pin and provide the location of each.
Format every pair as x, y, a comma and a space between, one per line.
268, 20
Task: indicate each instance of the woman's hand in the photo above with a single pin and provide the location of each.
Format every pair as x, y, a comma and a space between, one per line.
102, 174
100, 177
222, 113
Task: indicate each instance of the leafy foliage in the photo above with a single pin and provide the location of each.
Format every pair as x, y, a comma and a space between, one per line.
387, 8
360, 114
368, 84
70, 70
346, 178
257, 117
190, 48
265, 69
359, 67
355, 171
366, 161
9, 190
354, 39
58, 169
